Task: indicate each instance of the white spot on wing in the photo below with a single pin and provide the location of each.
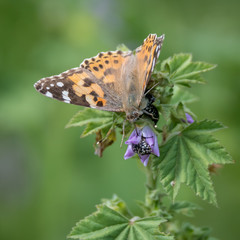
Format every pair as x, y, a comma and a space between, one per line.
60, 84
48, 94
153, 64
47, 88
65, 96
51, 84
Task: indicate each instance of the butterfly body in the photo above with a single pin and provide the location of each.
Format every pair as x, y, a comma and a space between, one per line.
112, 81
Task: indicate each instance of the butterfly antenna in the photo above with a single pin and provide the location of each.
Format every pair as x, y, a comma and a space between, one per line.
149, 90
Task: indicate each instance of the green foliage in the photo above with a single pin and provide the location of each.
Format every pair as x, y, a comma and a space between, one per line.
118, 205
123, 47
93, 119
186, 153
181, 70
107, 223
185, 158
113, 220
181, 95
188, 231
42, 38
187, 150
183, 207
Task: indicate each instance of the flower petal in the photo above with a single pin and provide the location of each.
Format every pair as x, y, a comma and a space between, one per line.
129, 153
155, 148
135, 137
151, 139
149, 135
189, 118
144, 159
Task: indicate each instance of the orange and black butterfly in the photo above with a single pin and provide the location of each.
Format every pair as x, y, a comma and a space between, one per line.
111, 81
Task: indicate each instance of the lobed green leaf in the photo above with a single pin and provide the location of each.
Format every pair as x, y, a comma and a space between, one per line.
94, 127
181, 95
176, 63
186, 80
88, 115
109, 224
181, 70
191, 69
188, 231
183, 207
118, 205
185, 159
204, 126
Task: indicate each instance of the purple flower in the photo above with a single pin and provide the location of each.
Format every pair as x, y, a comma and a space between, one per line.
143, 142
189, 118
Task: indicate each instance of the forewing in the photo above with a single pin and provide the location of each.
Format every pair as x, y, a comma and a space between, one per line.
108, 67
147, 55
80, 86
102, 81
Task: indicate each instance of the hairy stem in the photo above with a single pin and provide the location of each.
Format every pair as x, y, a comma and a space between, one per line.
151, 185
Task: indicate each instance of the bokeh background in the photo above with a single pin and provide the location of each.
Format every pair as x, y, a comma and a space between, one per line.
49, 177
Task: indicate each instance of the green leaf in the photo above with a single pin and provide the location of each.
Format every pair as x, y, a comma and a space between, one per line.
181, 95
95, 127
192, 69
94, 119
166, 110
186, 156
176, 63
108, 224
88, 115
186, 80
123, 47
185, 208
180, 111
181, 70
204, 127
188, 231
118, 205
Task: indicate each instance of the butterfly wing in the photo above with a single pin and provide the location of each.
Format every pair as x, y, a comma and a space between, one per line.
111, 81
137, 72
147, 55
94, 84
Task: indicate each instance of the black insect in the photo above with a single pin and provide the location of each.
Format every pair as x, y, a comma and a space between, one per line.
150, 110
142, 148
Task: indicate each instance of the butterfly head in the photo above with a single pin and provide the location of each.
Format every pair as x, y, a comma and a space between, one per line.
134, 115
146, 108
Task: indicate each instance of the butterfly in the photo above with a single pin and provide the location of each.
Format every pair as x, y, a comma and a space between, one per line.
112, 81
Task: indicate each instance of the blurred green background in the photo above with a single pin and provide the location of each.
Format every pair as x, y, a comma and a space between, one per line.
49, 177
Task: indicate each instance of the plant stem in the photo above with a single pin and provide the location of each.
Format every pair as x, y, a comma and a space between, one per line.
151, 186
